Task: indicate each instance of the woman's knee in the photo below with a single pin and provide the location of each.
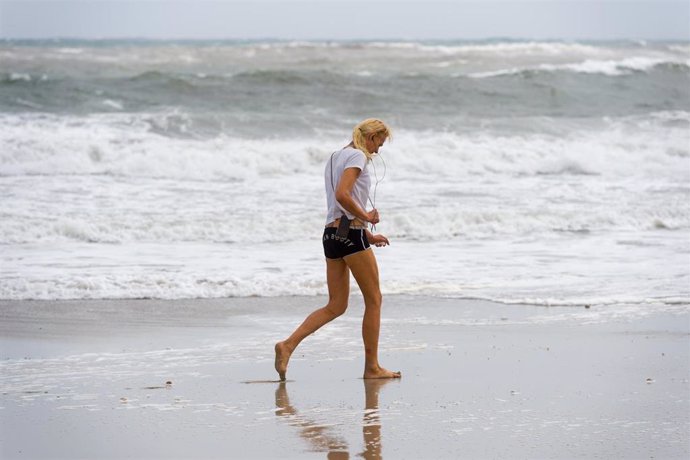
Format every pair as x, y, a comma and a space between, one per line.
373, 300
336, 307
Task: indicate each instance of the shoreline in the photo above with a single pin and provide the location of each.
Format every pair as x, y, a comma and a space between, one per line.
480, 380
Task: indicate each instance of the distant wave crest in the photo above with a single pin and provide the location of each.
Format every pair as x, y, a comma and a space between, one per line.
605, 67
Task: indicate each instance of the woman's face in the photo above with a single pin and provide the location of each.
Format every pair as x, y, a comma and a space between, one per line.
375, 142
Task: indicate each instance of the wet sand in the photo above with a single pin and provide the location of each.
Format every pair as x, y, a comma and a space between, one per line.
168, 379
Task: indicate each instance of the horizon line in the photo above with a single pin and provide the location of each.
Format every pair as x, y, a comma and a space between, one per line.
387, 39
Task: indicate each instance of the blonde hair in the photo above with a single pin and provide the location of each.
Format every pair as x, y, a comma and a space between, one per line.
367, 128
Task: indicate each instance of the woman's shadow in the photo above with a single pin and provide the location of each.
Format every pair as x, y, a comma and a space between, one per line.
322, 438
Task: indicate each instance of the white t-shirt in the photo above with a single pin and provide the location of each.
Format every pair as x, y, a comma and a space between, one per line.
349, 157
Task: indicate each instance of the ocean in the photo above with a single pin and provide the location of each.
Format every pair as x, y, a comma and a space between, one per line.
549, 173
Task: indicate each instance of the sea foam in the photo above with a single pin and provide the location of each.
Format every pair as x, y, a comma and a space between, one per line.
183, 170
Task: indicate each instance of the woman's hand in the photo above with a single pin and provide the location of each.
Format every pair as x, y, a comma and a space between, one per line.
379, 240
373, 216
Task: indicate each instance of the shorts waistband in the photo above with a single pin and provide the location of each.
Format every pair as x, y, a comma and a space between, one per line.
355, 224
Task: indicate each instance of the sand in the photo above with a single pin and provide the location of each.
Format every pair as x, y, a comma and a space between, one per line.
167, 379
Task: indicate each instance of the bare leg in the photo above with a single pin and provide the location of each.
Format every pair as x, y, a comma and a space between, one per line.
338, 278
366, 272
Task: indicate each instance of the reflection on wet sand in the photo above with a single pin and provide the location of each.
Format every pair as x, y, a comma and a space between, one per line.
322, 437
371, 425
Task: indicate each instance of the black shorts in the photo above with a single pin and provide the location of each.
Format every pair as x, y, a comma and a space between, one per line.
335, 247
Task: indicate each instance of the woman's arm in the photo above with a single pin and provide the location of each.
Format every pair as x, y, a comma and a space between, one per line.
377, 240
343, 194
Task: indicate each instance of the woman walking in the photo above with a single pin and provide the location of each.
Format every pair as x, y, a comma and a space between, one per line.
346, 244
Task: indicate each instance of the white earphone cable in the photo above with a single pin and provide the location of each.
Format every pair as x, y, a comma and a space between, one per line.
376, 185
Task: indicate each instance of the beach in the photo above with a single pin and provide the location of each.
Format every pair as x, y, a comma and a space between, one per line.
195, 379
161, 217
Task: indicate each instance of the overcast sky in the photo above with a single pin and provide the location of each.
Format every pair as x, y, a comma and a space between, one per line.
354, 19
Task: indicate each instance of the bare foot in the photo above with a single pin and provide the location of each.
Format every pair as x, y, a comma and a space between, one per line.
282, 357
381, 373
